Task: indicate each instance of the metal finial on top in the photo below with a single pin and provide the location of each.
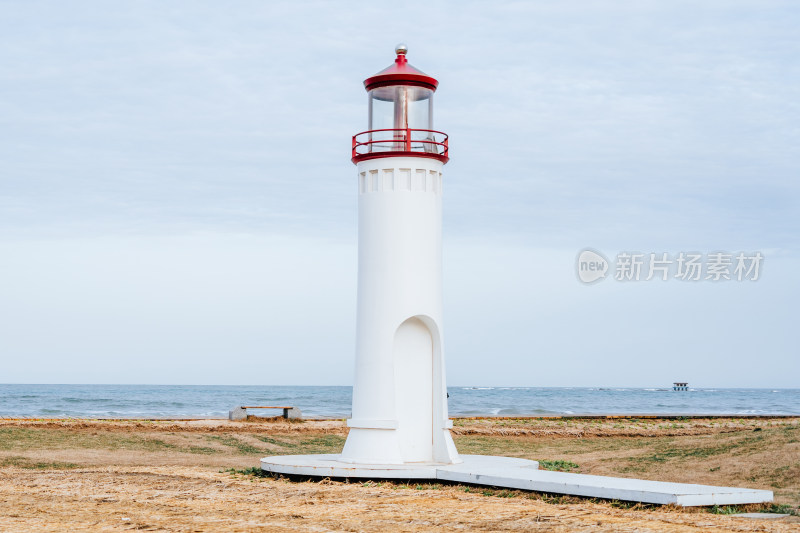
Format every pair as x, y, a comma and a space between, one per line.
401, 49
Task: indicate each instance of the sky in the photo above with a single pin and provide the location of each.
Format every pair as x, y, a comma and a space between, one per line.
178, 205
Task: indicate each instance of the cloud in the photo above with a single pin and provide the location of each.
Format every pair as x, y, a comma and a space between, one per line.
184, 115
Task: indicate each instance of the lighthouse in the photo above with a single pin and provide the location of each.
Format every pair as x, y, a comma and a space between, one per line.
399, 427
399, 394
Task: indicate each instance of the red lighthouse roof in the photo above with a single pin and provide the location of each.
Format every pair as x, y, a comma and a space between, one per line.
400, 73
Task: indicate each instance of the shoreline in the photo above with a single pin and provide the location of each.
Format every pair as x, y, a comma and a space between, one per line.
591, 416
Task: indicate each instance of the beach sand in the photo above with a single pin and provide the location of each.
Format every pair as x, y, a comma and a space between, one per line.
195, 476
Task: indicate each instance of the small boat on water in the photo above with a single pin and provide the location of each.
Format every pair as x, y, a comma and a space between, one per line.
679, 385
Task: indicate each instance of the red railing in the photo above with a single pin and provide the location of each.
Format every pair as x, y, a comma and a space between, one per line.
393, 142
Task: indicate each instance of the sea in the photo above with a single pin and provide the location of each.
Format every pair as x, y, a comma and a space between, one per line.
211, 401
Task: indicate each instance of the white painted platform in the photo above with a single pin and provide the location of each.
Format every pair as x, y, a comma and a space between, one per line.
513, 473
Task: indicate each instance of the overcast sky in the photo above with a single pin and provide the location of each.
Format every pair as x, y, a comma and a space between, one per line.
177, 203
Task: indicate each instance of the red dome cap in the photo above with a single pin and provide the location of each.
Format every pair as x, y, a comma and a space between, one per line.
400, 73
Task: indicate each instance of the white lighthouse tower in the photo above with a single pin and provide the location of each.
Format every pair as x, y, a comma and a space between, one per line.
399, 394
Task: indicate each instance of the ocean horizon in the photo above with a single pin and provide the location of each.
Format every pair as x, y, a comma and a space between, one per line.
214, 401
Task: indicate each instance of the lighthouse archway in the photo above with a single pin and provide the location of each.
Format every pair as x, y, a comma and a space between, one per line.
413, 354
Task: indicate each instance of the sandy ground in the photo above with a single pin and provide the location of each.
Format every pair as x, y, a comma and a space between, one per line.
110, 476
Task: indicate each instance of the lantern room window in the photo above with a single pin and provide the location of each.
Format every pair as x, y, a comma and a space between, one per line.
401, 107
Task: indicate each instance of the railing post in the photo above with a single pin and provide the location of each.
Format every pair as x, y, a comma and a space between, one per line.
354, 146
408, 139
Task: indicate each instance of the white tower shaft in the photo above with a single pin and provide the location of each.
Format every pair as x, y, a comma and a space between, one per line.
399, 394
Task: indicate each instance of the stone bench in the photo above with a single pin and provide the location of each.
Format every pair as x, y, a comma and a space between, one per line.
240, 413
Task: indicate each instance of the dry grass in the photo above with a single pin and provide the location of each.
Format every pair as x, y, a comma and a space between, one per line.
84, 475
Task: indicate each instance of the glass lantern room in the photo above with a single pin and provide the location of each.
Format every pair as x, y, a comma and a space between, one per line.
400, 120
401, 107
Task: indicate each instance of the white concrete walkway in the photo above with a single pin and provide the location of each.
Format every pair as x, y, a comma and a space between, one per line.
513, 473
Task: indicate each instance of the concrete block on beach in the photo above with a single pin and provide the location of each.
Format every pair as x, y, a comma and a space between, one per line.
237, 413
292, 412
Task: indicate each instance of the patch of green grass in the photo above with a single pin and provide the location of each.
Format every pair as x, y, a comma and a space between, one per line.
485, 491
488, 491
14, 438
509, 446
783, 476
293, 444
201, 450
286, 444
152, 445
19, 438
558, 465
666, 451
623, 504
561, 499
608, 444
233, 442
253, 471
780, 508
417, 486
724, 509
270, 440
322, 444
319, 444
25, 462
